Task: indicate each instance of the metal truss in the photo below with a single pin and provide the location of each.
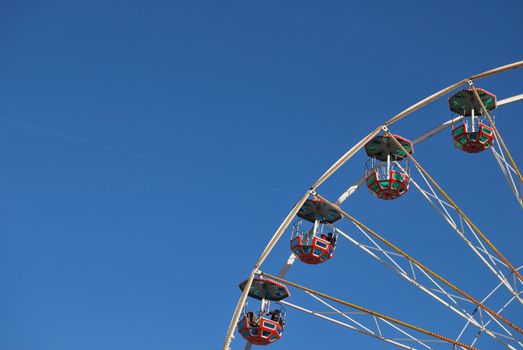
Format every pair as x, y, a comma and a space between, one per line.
426, 283
408, 271
464, 231
390, 333
369, 325
486, 324
369, 322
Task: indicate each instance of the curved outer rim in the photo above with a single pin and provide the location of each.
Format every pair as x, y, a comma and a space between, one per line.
279, 232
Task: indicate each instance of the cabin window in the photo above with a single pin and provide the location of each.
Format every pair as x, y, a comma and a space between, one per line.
269, 325
321, 244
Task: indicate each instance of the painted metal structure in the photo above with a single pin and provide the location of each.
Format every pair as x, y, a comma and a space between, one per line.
408, 268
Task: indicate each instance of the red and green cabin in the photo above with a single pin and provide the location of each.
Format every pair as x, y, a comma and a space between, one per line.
266, 329
466, 103
393, 185
266, 332
473, 141
314, 246
387, 180
312, 251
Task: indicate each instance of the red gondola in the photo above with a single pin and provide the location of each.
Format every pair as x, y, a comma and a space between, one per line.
385, 178
265, 326
262, 329
316, 244
472, 135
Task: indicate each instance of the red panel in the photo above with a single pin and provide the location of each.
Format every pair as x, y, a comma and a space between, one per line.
389, 192
310, 258
472, 139
259, 338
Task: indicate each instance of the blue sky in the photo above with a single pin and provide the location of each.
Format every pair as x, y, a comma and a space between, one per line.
149, 151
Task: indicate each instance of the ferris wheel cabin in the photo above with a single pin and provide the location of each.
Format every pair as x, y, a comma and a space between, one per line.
317, 244
265, 326
477, 136
385, 177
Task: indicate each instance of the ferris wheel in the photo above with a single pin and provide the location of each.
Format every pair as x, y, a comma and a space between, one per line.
316, 227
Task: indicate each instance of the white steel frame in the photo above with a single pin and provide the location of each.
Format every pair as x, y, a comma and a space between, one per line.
391, 259
461, 227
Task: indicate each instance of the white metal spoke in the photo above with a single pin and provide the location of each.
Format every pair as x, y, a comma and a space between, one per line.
437, 129
375, 320
399, 260
508, 171
482, 252
387, 255
287, 266
507, 337
340, 313
510, 100
346, 325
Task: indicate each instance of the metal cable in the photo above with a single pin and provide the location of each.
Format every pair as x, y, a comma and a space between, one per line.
277, 235
426, 269
371, 312
451, 202
496, 132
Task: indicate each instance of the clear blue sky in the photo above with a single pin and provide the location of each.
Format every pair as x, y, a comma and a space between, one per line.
149, 150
